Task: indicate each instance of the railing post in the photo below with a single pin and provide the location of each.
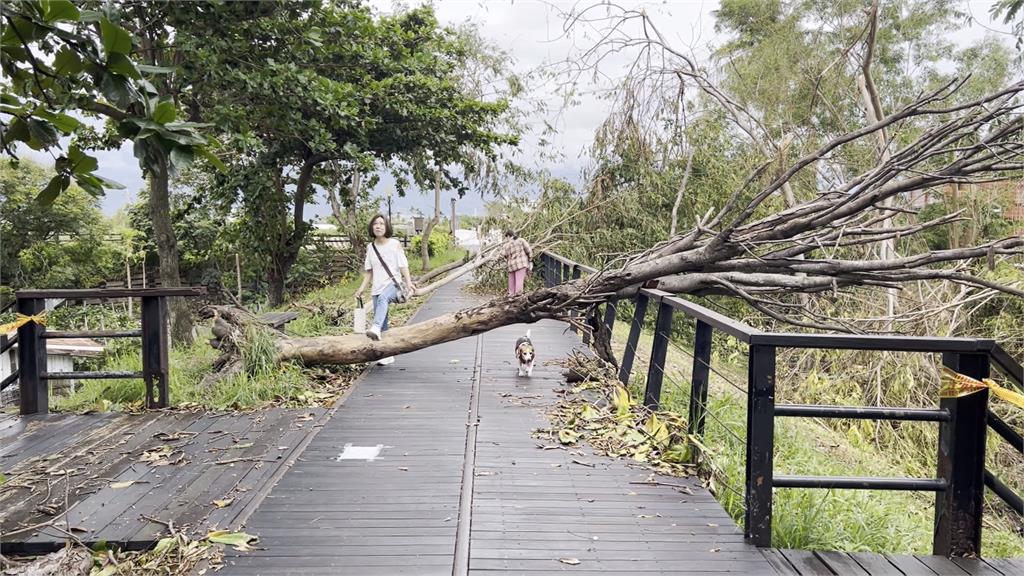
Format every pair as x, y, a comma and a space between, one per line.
33, 390
629, 354
659, 350
699, 381
757, 525
961, 463
155, 369
576, 273
610, 308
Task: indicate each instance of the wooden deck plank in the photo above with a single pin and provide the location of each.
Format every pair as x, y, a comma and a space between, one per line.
941, 566
976, 567
807, 562
909, 565
779, 563
1008, 566
875, 564
841, 563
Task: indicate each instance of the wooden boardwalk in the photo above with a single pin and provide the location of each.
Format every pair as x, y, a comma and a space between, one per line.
459, 484
122, 475
428, 466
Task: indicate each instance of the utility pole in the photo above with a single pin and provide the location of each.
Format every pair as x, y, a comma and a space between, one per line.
390, 192
455, 225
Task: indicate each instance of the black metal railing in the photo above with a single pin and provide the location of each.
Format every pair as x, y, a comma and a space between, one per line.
963, 422
32, 374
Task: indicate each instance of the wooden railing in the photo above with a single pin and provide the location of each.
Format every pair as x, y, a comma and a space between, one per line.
963, 422
32, 374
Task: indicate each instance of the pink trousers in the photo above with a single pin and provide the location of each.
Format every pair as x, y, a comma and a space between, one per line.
516, 278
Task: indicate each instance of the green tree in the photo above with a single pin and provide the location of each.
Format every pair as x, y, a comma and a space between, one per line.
56, 246
310, 85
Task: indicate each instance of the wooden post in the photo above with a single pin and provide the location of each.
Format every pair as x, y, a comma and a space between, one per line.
155, 339
238, 275
629, 354
757, 525
659, 351
128, 281
961, 463
699, 381
34, 391
575, 273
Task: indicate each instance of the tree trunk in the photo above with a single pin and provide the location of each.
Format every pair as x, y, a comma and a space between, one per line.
425, 243
284, 255
681, 192
167, 249
873, 111
355, 235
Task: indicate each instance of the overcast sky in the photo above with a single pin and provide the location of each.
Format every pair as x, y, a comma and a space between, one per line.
531, 31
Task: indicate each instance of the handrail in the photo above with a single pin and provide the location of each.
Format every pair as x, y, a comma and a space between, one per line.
1007, 364
110, 292
960, 480
32, 357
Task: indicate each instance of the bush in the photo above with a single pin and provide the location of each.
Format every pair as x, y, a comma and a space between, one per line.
440, 240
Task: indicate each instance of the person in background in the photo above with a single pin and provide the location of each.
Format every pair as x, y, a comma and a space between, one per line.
385, 260
519, 256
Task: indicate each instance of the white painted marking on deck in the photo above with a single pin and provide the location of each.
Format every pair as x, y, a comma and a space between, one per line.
368, 453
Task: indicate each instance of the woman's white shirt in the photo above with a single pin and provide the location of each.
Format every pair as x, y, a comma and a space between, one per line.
393, 255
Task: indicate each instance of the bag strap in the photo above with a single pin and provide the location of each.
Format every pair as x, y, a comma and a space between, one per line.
382, 263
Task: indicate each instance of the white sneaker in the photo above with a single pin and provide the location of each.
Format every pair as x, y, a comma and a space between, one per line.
386, 361
373, 333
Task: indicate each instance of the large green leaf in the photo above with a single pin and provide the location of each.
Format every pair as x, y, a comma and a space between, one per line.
43, 134
63, 122
181, 158
108, 183
58, 10
122, 65
67, 62
212, 158
165, 112
116, 40
57, 184
118, 90
81, 163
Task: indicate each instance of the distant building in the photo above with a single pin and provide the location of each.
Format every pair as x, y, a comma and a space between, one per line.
61, 354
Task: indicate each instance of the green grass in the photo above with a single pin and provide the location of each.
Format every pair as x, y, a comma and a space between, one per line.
846, 520
261, 381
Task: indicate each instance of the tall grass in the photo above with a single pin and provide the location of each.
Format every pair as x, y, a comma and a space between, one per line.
261, 380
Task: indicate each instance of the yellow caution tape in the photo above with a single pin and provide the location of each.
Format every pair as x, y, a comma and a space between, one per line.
21, 320
955, 385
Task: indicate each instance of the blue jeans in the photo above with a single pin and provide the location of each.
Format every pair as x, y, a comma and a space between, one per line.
380, 306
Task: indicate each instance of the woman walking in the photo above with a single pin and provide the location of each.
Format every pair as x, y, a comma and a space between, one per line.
384, 260
519, 255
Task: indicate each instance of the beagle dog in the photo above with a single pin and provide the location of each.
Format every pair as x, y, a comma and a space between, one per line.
525, 354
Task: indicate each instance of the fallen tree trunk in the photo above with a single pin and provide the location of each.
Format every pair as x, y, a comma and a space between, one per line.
730, 253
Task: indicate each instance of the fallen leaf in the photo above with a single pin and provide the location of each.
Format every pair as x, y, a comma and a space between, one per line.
453, 361
570, 561
223, 503
712, 524
403, 468
239, 540
125, 484
715, 550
